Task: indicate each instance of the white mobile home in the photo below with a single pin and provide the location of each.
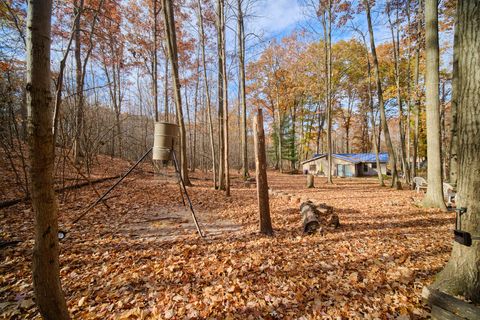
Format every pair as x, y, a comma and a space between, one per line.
346, 164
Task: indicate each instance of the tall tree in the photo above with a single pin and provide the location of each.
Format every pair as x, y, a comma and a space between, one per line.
155, 11
327, 31
46, 270
381, 106
434, 196
77, 143
461, 275
171, 37
452, 152
394, 29
220, 75
243, 102
416, 127
225, 105
207, 92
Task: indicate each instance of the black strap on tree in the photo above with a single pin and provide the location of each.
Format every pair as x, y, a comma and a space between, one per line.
462, 237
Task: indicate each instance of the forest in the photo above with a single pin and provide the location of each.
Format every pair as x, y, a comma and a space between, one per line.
239, 159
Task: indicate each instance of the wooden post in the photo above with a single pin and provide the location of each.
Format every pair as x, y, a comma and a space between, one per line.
310, 181
261, 175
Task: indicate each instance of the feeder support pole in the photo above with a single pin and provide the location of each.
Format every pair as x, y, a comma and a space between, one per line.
174, 157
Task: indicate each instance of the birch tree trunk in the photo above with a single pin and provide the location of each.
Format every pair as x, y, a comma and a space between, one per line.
461, 275
171, 36
434, 196
45, 264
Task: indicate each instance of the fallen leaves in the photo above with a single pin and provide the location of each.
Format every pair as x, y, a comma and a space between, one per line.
373, 266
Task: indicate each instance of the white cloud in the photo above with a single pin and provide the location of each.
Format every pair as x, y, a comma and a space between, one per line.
276, 16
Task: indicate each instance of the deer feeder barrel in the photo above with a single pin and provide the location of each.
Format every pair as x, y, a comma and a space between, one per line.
164, 140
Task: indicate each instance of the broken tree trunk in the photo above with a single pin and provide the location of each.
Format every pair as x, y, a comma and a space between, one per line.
261, 175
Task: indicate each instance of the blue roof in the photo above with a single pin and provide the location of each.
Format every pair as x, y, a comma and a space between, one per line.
362, 157
355, 157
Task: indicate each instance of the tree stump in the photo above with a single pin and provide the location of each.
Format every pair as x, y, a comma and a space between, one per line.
310, 181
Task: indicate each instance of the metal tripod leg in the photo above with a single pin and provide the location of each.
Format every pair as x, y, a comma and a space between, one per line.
177, 170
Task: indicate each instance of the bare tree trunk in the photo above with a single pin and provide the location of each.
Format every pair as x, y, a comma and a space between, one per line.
261, 175
372, 113
243, 102
220, 75
417, 92
461, 275
225, 107
207, 92
328, 79
396, 56
45, 267
155, 62
280, 132
78, 151
434, 196
171, 36
383, 117
452, 152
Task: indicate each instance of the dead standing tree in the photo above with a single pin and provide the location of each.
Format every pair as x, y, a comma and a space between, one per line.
261, 175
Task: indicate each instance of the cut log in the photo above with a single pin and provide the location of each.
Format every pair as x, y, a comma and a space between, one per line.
315, 216
445, 306
309, 217
310, 181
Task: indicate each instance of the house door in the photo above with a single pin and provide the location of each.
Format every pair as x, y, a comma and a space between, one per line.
348, 170
340, 170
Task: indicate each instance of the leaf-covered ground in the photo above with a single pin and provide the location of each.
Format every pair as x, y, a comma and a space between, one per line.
373, 267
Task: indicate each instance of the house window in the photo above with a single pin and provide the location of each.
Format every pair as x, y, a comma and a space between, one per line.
365, 167
312, 168
374, 165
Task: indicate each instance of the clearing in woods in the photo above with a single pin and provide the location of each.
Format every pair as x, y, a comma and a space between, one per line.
142, 258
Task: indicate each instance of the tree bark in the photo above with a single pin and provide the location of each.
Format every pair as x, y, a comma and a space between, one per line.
381, 106
78, 143
434, 196
328, 97
396, 57
207, 92
170, 32
417, 92
46, 270
243, 100
261, 175
452, 152
220, 75
225, 105
155, 62
372, 113
461, 275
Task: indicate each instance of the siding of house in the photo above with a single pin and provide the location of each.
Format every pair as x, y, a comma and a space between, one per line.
319, 167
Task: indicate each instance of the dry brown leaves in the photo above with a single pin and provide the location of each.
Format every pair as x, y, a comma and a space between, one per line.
373, 267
